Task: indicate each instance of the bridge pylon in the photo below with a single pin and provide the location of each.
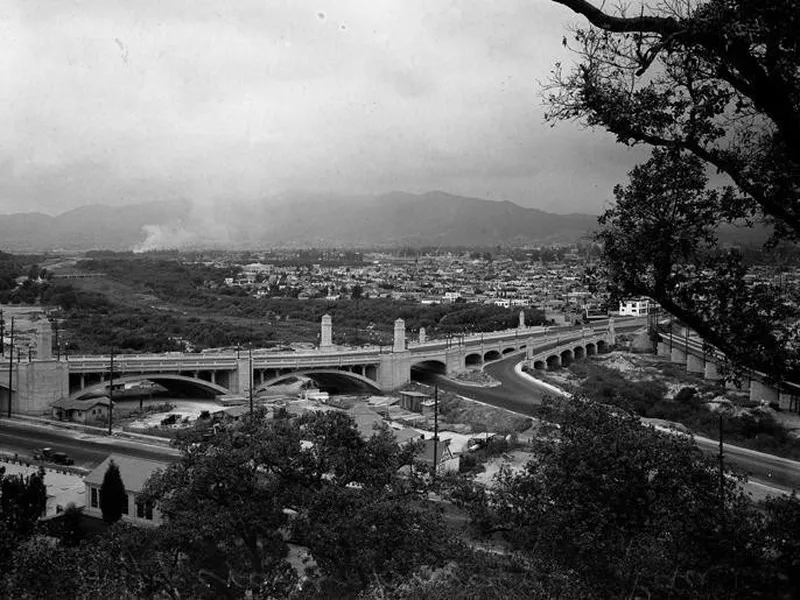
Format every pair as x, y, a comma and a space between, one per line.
399, 336
326, 334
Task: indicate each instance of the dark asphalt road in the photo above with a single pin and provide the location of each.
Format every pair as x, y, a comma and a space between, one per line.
86, 450
514, 393
764, 468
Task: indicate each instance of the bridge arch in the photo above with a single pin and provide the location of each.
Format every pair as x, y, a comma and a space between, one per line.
566, 358
323, 374
553, 362
539, 365
579, 352
591, 349
473, 360
433, 365
492, 355
100, 388
602, 346
509, 350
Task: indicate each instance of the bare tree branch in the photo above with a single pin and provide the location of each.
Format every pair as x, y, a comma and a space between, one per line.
661, 25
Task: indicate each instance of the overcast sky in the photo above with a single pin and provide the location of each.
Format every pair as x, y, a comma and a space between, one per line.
105, 101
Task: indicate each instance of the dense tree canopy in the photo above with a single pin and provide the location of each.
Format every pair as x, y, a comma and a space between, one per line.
660, 241
717, 80
607, 508
236, 500
633, 513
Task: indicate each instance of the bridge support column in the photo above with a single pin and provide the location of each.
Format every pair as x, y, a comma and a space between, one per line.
38, 385
711, 371
213, 377
455, 360
678, 356
394, 371
240, 382
663, 349
695, 364
761, 392
422, 335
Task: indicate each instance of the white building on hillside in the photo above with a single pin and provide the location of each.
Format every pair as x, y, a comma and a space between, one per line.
637, 307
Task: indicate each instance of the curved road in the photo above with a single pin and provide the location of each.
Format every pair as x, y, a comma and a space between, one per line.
522, 395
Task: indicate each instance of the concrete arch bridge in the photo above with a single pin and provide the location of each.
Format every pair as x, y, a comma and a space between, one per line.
39, 383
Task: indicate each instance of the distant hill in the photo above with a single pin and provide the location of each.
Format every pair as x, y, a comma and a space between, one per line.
396, 219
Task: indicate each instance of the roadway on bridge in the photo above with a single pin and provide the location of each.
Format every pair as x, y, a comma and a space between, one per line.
86, 450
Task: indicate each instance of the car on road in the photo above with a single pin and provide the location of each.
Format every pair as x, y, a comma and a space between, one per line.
48, 455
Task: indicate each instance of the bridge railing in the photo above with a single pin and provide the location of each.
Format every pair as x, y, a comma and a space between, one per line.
369, 354
229, 362
697, 347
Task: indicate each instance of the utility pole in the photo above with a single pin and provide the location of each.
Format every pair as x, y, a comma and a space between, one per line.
435, 431
111, 392
670, 333
721, 472
10, 367
251, 379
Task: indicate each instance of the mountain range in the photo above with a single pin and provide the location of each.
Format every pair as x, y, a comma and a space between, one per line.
295, 220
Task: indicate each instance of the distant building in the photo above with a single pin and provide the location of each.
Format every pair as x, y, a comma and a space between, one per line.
446, 461
413, 401
637, 307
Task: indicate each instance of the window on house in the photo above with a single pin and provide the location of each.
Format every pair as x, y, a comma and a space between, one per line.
125, 505
144, 509
93, 492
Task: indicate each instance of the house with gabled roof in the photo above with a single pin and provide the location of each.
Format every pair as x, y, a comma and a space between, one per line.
82, 411
134, 473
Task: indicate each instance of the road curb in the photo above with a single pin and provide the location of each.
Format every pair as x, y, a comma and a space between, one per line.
548, 386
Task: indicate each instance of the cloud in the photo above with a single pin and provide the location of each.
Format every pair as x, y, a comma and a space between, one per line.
110, 101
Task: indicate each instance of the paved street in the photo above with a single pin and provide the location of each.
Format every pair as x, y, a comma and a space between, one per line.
86, 450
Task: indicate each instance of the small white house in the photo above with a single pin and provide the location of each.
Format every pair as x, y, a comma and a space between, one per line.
638, 307
134, 472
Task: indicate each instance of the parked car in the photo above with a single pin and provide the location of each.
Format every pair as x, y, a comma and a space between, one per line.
47, 454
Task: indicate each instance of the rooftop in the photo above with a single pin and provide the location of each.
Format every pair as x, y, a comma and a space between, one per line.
134, 471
